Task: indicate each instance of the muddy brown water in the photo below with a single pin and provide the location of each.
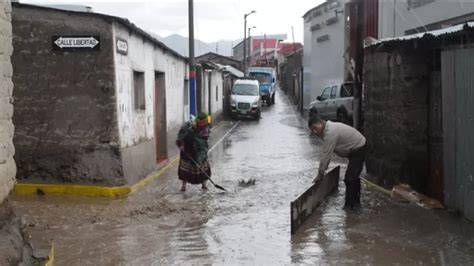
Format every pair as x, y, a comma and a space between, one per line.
248, 225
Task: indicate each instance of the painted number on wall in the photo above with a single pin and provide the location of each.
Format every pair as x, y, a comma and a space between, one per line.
122, 46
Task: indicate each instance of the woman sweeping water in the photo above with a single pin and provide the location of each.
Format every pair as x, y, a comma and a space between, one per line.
192, 140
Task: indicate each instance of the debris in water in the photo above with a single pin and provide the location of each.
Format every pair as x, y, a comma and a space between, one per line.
405, 193
248, 183
39, 192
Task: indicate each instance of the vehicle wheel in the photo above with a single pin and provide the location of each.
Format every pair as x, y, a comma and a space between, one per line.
343, 117
273, 98
269, 101
258, 116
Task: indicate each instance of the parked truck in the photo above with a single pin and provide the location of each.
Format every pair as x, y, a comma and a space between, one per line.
336, 102
266, 77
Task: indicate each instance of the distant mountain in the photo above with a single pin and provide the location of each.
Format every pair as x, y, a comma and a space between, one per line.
181, 45
224, 47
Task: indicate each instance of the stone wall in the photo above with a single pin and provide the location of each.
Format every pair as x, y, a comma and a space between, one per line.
13, 247
7, 164
65, 101
396, 86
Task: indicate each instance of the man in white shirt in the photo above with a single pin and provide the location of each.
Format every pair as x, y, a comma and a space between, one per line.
346, 142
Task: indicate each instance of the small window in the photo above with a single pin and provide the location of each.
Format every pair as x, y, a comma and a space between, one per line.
326, 94
334, 92
139, 90
217, 93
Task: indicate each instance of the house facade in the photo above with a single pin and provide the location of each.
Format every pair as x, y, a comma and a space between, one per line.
210, 93
259, 46
418, 106
98, 100
324, 35
398, 18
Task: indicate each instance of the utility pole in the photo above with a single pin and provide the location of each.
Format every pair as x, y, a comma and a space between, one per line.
265, 46
192, 65
245, 44
245, 39
293, 35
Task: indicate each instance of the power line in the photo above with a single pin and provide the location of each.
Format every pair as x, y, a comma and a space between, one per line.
418, 18
400, 14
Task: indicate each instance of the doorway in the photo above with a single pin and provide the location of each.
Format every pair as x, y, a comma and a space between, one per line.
160, 118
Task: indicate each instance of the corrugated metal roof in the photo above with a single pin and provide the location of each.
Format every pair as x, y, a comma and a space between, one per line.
232, 70
215, 55
434, 33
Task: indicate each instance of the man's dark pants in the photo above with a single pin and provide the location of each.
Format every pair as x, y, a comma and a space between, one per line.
352, 178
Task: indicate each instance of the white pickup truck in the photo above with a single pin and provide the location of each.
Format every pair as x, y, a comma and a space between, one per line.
336, 102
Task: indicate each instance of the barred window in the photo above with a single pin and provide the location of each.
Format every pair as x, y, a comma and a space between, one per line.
139, 90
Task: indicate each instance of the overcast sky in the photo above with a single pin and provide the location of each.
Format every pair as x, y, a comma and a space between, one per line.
214, 19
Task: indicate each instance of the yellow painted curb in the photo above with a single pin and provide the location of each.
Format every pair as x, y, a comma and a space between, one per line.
50, 261
153, 176
90, 191
376, 187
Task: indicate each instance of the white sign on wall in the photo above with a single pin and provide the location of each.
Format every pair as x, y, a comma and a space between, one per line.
76, 42
122, 46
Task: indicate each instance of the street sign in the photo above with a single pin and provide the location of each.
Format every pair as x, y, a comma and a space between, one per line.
76, 42
304, 205
122, 46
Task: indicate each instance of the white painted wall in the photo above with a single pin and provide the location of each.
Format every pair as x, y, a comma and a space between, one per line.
204, 91
217, 83
395, 17
307, 48
324, 61
135, 126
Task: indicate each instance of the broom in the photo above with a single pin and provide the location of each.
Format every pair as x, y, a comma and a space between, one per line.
204, 172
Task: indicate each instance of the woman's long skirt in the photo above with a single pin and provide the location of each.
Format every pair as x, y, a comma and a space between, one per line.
190, 173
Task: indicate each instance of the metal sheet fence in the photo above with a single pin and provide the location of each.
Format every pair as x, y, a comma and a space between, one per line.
458, 129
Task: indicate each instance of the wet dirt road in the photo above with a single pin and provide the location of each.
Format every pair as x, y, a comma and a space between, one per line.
160, 225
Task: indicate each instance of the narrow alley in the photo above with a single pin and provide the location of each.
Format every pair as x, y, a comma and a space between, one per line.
110, 111
160, 225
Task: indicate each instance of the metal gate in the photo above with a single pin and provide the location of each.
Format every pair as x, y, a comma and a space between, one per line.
458, 128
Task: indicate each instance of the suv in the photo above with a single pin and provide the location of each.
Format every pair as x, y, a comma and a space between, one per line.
245, 98
336, 102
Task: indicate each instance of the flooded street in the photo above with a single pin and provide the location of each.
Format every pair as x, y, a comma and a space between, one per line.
160, 225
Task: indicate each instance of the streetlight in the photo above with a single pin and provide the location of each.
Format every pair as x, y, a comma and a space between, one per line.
251, 28
245, 39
